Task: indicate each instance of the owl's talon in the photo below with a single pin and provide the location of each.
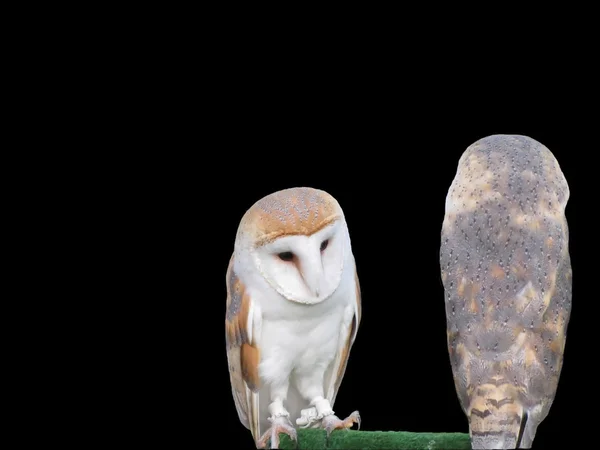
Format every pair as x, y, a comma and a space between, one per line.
332, 422
279, 424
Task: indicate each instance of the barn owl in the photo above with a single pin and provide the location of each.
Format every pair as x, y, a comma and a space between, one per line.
292, 315
506, 272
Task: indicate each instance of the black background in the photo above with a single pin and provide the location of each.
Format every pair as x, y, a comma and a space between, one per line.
390, 166
192, 124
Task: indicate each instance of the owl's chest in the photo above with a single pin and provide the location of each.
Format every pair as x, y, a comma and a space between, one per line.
288, 345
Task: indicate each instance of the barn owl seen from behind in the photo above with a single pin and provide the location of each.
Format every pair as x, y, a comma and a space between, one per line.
506, 272
293, 310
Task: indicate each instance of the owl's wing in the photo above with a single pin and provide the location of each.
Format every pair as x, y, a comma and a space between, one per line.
243, 354
332, 384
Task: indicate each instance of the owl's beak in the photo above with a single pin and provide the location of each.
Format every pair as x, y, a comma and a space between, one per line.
312, 273
311, 278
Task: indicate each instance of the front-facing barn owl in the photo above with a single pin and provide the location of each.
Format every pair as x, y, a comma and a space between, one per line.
506, 272
293, 311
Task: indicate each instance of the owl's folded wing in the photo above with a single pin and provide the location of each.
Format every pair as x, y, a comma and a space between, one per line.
243, 355
332, 384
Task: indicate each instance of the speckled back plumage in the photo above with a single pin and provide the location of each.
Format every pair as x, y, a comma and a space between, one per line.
506, 272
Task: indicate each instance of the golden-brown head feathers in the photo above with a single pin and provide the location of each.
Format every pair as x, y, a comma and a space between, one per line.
294, 211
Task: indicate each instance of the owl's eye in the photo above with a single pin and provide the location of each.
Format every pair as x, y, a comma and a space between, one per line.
286, 256
324, 244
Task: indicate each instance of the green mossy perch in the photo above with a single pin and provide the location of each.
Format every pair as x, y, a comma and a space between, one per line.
343, 439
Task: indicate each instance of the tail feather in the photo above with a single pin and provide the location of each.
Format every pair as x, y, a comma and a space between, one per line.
496, 417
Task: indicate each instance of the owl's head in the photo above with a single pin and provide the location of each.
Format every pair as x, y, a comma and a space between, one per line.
298, 241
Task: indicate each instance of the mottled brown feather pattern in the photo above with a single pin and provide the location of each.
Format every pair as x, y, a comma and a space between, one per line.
289, 212
494, 410
243, 357
250, 358
506, 272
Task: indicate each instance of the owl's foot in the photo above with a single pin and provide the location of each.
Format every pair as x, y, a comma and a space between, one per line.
279, 424
320, 415
332, 422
